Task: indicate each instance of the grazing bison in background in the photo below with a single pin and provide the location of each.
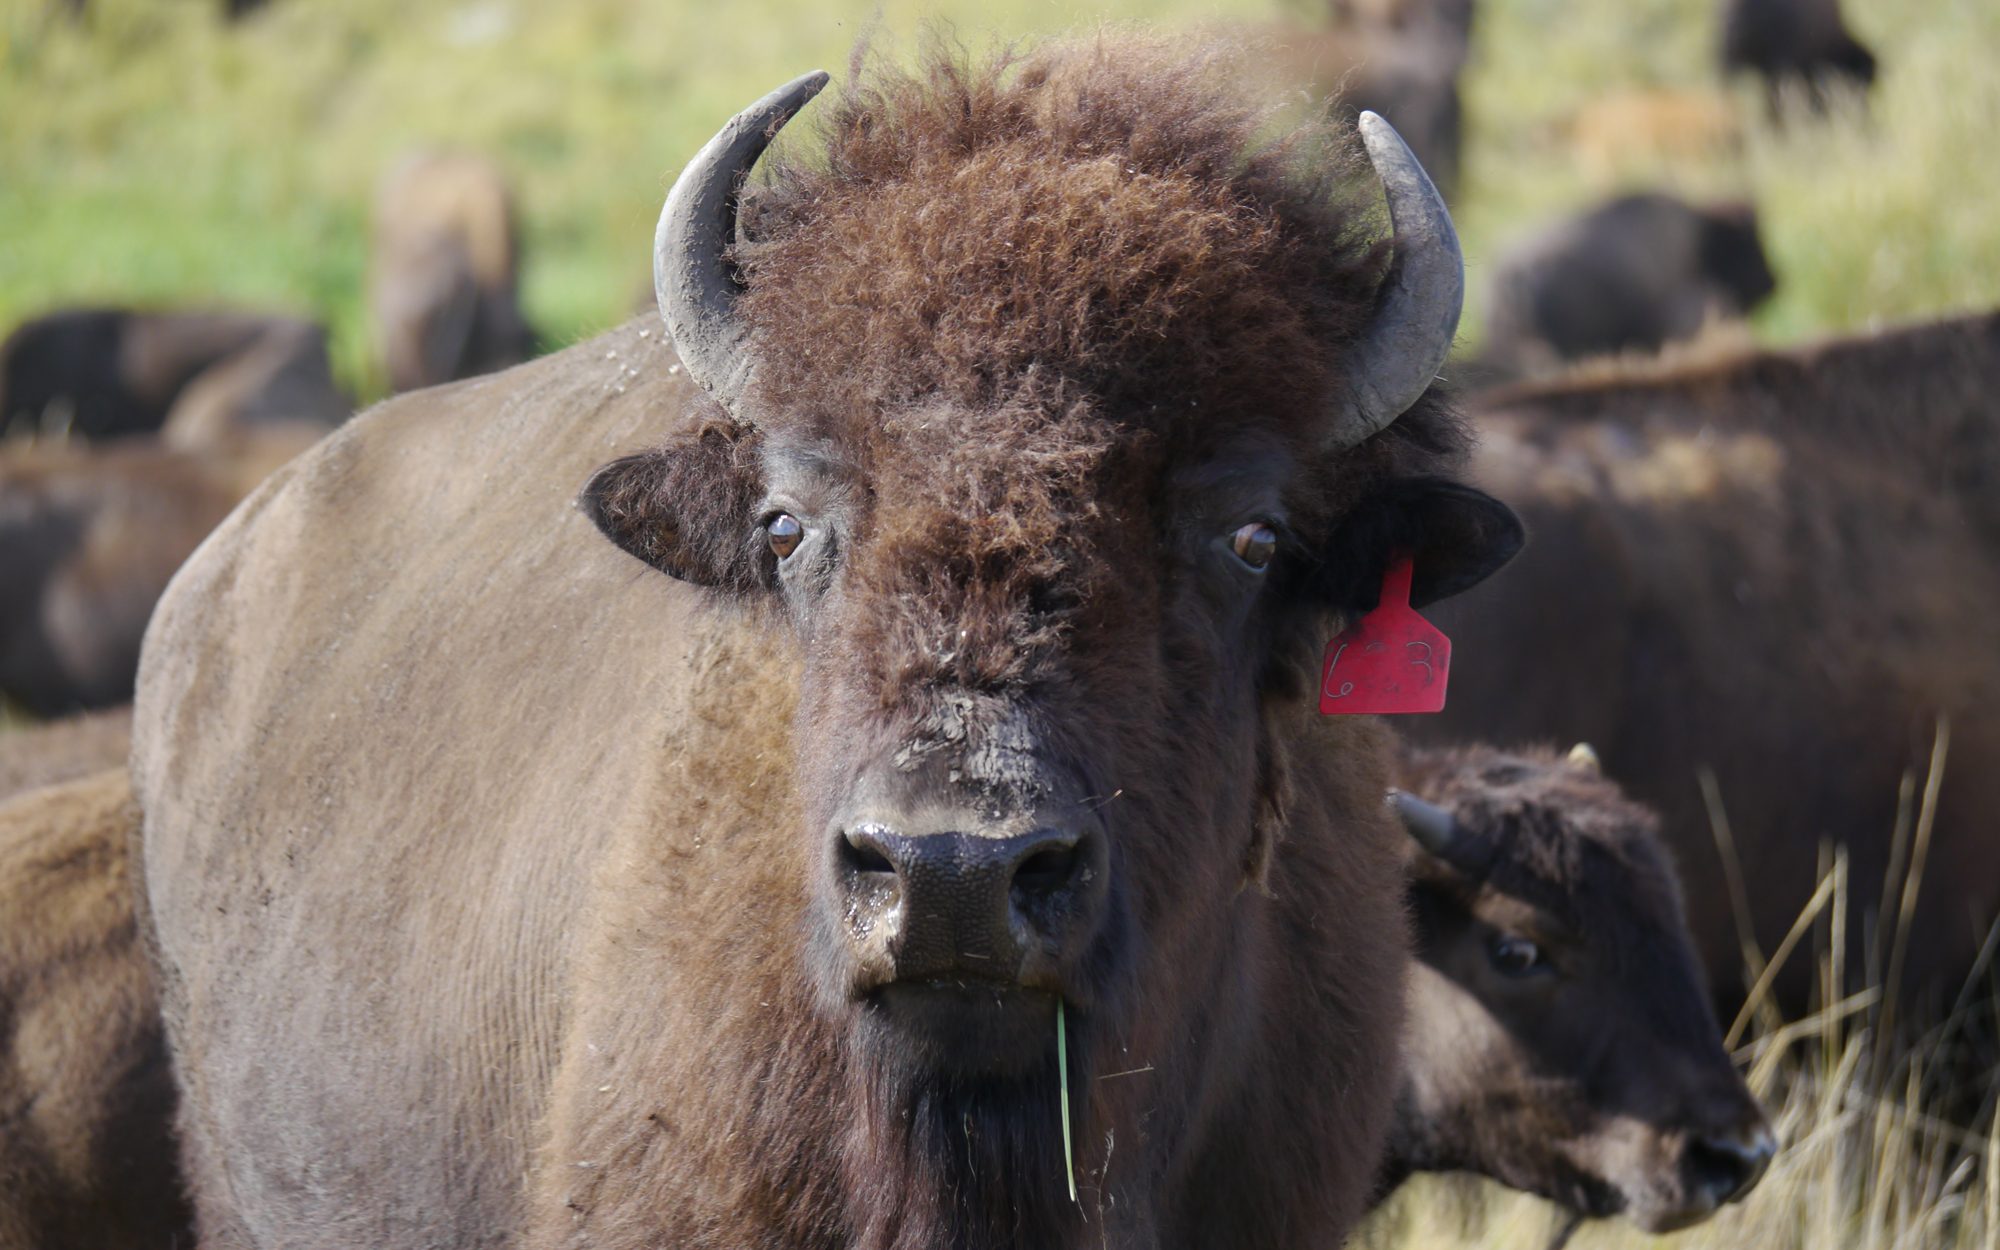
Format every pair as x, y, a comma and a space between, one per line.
1794, 44
1011, 470
1560, 1038
444, 270
1396, 58
1779, 568
90, 534
1632, 275
87, 1156
105, 372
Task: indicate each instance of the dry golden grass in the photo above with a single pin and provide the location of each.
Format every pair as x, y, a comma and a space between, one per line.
1890, 1138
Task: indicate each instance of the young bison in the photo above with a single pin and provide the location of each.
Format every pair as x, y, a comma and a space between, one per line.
990, 515
1560, 1037
1768, 580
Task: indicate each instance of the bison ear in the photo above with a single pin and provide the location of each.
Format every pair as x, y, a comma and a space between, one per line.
1456, 536
685, 509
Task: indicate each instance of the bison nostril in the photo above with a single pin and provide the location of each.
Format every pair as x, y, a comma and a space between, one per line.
1047, 870
860, 852
1728, 1166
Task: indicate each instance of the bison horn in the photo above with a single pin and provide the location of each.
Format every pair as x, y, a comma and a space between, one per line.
1416, 314
691, 273
1434, 828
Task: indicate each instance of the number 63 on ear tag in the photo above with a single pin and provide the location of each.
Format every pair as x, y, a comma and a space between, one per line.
1391, 660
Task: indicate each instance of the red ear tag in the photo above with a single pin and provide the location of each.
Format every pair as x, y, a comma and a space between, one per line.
1391, 660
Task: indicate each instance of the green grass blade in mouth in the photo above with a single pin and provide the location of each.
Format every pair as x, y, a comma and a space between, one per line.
1062, 1079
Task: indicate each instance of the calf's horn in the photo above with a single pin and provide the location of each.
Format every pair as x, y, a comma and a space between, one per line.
1434, 828
1416, 312
691, 273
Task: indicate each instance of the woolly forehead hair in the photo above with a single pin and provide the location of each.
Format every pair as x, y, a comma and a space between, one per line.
1108, 218
1542, 813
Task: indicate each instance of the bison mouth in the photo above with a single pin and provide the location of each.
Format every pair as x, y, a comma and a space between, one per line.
964, 1025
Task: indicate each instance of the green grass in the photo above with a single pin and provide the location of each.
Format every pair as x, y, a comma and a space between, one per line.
154, 154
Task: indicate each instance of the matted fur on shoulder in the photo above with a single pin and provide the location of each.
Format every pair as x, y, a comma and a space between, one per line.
1109, 214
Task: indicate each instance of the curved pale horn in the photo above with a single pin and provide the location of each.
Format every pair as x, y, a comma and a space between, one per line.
1583, 755
691, 273
1416, 314
1434, 828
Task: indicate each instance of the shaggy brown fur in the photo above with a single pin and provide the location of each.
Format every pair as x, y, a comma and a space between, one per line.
492, 872
63, 750
1594, 1077
86, 1099
443, 271
1779, 567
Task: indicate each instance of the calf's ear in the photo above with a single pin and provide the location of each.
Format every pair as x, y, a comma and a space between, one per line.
1456, 536
686, 509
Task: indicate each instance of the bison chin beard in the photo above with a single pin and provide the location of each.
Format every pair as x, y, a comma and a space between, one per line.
969, 1161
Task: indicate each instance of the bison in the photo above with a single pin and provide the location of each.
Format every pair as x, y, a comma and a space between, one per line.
90, 533
1794, 45
444, 269
1560, 1038
87, 1159
106, 372
1763, 585
1547, 922
939, 699
1631, 275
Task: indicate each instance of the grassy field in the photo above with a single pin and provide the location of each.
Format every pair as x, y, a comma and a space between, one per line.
151, 154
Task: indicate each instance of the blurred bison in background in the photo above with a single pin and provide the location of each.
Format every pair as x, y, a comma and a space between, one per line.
930, 668
1560, 1038
1632, 275
87, 1154
105, 372
1794, 45
90, 534
1778, 570
444, 271
1399, 58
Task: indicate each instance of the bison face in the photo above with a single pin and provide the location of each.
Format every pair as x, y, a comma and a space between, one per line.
1561, 1038
1041, 665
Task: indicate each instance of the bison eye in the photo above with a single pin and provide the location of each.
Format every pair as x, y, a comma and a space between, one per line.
1255, 544
783, 532
1515, 956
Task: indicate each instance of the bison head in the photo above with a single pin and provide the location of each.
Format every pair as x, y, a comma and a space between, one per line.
1058, 423
1560, 1036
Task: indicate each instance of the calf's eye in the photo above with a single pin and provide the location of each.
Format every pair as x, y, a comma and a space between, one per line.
1256, 544
1515, 956
783, 532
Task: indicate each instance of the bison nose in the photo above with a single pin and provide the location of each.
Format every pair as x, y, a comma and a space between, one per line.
1727, 1165
966, 905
